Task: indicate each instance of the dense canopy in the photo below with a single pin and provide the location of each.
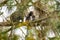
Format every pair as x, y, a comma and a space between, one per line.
40, 19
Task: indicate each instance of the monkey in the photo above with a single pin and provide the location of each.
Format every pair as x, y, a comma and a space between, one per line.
30, 15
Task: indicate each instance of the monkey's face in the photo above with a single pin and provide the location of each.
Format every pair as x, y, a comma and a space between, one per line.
30, 16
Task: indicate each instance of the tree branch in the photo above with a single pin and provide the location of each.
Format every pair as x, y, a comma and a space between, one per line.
5, 24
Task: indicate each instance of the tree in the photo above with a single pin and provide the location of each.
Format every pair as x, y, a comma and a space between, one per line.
46, 18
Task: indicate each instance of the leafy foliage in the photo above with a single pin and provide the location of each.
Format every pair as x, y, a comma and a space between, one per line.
49, 18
